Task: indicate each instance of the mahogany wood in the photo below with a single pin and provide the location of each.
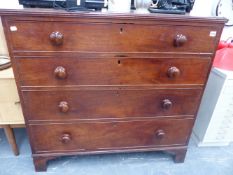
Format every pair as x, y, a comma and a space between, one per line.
63, 106
107, 135
179, 154
40, 162
94, 104
173, 72
92, 83
111, 71
167, 104
60, 72
160, 134
56, 38
180, 40
108, 37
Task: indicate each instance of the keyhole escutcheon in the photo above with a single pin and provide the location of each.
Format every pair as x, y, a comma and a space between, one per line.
121, 30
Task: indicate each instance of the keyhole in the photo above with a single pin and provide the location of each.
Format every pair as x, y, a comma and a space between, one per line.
119, 61
117, 93
121, 30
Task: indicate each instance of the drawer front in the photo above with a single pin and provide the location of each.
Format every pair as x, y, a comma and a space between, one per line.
47, 71
93, 104
109, 135
110, 37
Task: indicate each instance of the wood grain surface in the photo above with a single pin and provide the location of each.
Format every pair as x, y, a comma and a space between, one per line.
94, 83
96, 104
91, 136
111, 71
110, 37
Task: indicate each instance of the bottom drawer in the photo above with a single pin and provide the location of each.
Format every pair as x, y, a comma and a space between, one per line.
107, 135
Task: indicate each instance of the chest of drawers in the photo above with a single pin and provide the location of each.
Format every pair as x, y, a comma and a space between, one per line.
105, 83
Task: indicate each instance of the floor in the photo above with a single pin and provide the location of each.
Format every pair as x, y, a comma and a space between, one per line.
199, 161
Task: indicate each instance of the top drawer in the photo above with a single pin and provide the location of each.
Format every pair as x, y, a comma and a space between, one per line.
110, 37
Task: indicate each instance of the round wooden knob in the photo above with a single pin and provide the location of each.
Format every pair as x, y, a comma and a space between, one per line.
63, 106
65, 138
160, 134
180, 40
173, 72
60, 72
167, 104
56, 38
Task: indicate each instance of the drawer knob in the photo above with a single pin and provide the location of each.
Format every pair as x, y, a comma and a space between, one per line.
173, 72
60, 72
180, 40
65, 138
56, 38
167, 104
160, 134
63, 106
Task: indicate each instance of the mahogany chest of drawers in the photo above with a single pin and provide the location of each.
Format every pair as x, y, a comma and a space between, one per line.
105, 83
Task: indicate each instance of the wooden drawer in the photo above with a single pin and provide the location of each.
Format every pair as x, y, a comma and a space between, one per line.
93, 104
100, 136
50, 71
109, 37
